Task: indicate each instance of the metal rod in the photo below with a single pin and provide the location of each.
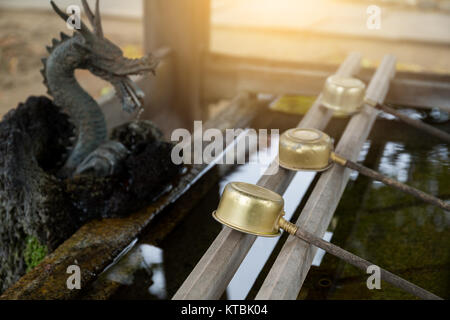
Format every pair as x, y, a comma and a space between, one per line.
356, 261
398, 185
415, 123
391, 182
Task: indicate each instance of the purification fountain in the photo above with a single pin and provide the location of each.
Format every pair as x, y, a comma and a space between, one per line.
58, 166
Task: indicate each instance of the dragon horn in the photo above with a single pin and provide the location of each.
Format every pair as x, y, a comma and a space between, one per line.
95, 20
98, 19
84, 30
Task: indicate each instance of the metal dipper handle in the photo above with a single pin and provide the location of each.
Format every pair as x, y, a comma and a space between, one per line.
390, 182
356, 261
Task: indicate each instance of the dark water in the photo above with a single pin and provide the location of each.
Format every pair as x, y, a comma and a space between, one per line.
394, 230
383, 225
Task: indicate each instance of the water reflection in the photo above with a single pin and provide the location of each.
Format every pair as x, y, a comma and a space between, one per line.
392, 229
395, 162
145, 258
153, 259
386, 226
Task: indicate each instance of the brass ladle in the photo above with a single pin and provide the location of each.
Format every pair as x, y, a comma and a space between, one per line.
346, 96
258, 211
312, 150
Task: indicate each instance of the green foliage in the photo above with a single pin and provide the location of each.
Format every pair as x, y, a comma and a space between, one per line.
34, 252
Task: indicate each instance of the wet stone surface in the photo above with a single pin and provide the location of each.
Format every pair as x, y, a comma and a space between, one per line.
34, 202
97, 244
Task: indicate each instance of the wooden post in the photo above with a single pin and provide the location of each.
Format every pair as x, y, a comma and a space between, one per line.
183, 26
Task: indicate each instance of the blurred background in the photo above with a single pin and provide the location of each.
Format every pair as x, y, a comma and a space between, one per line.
416, 31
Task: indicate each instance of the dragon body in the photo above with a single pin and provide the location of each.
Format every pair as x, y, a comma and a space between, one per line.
85, 113
92, 51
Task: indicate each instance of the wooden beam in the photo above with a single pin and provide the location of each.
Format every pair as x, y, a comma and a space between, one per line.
292, 264
225, 75
216, 268
420, 92
182, 25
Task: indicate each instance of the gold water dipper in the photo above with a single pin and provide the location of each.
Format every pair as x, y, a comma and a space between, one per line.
312, 150
258, 211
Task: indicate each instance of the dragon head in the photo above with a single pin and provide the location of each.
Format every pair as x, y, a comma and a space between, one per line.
106, 60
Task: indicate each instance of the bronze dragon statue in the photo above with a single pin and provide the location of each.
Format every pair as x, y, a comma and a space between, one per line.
59, 168
90, 50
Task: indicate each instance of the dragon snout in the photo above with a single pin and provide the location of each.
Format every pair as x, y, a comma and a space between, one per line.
131, 95
145, 64
149, 63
